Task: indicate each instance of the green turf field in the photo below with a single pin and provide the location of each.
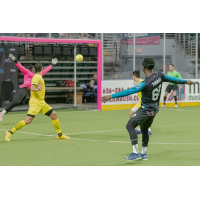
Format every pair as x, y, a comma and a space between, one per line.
99, 138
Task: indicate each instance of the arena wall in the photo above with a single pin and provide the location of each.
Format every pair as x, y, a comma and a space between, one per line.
186, 96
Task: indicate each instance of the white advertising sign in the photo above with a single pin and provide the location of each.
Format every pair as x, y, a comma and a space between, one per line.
185, 93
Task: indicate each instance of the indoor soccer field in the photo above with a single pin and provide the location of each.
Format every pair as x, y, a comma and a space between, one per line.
99, 138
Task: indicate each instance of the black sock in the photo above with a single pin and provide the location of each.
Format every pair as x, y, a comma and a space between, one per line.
164, 100
59, 134
175, 99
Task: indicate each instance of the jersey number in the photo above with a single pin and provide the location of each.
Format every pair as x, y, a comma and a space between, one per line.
156, 93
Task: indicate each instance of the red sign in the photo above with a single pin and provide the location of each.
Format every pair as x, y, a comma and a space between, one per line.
142, 41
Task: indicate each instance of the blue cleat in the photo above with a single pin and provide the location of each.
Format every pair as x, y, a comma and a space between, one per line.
133, 156
144, 156
138, 132
149, 132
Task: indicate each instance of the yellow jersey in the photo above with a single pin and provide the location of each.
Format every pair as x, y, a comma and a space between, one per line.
139, 93
38, 97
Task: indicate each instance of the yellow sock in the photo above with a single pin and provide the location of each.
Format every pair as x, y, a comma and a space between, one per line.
56, 125
18, 126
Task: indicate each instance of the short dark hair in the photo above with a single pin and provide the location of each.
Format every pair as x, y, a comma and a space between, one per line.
172, 65
30, 67
136, 73
38, 67
148, 63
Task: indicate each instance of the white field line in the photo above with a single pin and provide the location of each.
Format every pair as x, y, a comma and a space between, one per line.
107, 141
125, 129
115, 130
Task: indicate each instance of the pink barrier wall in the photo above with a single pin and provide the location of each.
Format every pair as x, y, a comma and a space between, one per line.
99, 56
99, 59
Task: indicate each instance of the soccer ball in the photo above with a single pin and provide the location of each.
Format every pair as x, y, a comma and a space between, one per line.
79, 58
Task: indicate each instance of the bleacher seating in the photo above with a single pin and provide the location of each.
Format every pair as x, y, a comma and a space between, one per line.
37, 50
47, 50
21, 50
67, 50
84, 50
56, 50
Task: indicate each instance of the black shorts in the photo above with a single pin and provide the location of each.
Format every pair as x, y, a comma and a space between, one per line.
142, 118
171, 87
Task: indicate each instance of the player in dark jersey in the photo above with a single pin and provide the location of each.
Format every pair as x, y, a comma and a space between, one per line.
144, 116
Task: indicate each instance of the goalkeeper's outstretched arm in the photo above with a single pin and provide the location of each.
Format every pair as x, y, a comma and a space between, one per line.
18, 64
47, 69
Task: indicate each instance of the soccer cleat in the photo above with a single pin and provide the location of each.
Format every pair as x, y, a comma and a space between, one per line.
1, 117
133, 156
163, 106
137, 128
8, 135
138, 131
149, 131
63, 136
144, 156
176, 106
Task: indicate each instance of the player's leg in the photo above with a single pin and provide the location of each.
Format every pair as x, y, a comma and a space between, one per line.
48, 111
168, 89
17, 127
132, 111
34, 109
145, 137
21, 94
131, 125
174, 94
138, 118
164, 99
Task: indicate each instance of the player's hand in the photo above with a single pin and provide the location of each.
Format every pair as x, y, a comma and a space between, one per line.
39, 86
106, 98
189, 82
12, 57
180, 87
54, 61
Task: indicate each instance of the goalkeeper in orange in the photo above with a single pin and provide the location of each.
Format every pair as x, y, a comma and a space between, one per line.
137, 79
37, 105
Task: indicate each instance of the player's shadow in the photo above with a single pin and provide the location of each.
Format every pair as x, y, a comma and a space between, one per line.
131, 163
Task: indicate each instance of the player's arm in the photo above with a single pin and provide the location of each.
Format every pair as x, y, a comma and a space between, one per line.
124, 93
18, 64
36, 89
35, 85
171, 79
47, 69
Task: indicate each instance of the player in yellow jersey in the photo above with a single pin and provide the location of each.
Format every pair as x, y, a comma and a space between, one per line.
137, 79
37, 105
